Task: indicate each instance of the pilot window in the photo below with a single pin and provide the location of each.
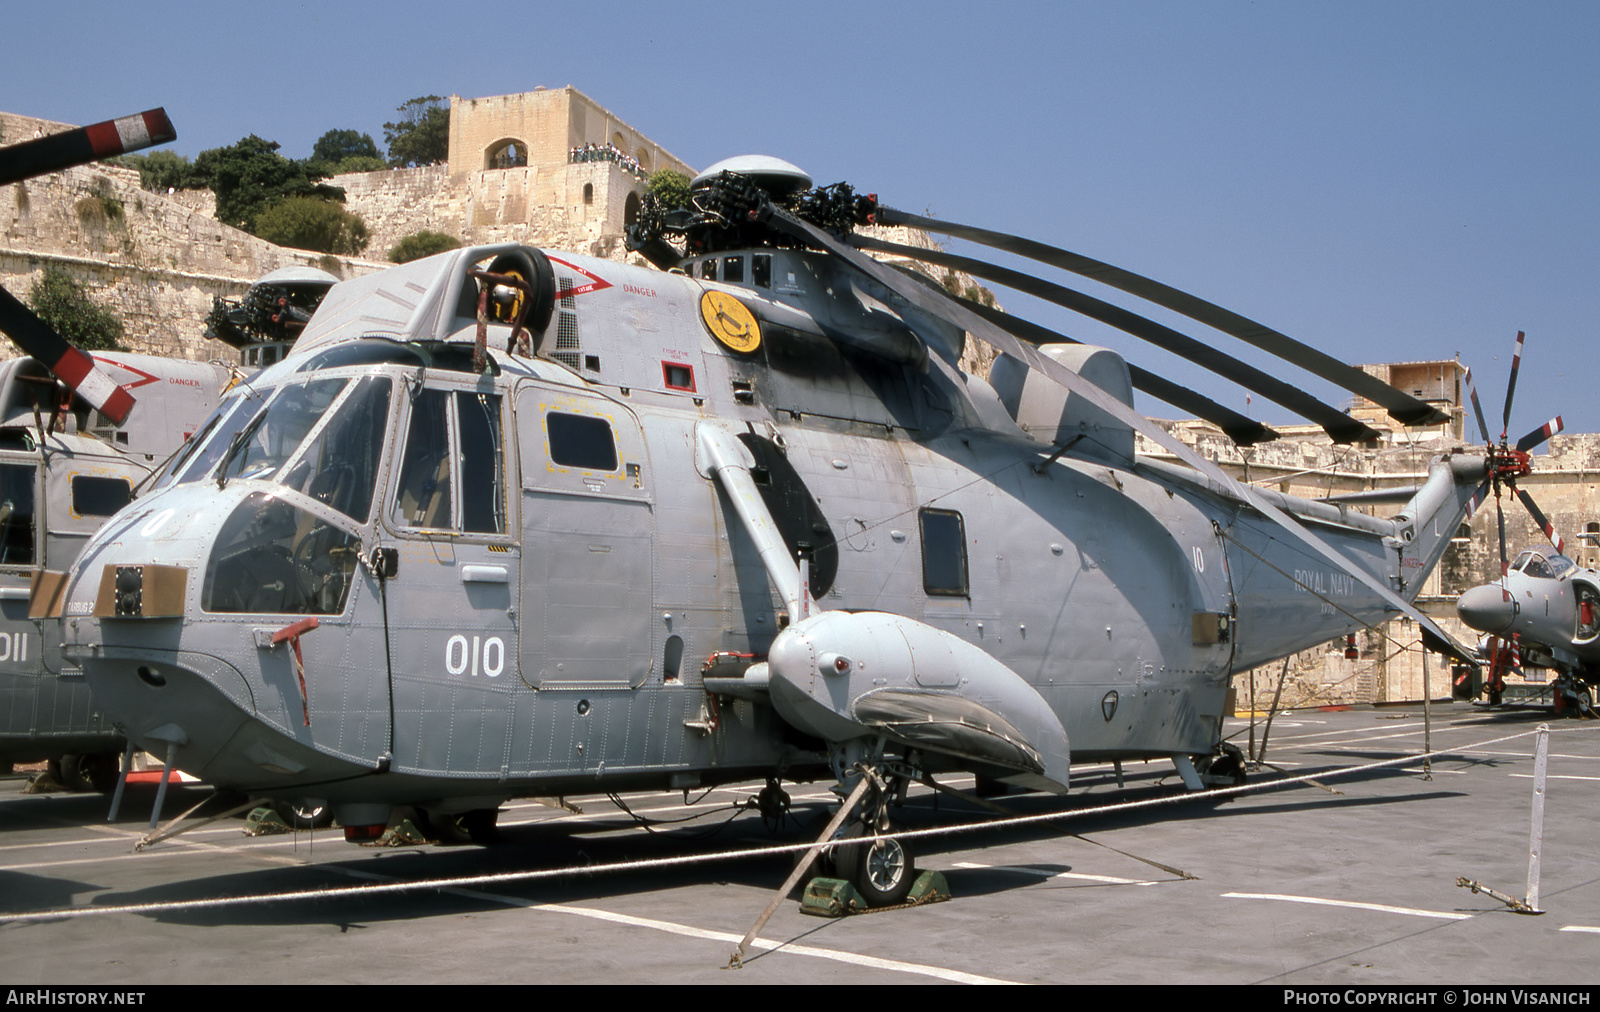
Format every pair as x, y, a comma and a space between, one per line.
944, 553
483, 480
99, 497
424, 499
16, 514
581, 441
339, 467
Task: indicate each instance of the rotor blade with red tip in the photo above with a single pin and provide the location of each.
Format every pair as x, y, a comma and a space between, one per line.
1511, 385
85, 144
1477, 408
1540, 434
1500, 513
70, 365
1543, 522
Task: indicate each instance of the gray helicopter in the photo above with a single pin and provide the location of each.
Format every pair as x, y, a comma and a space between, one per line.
513, 522
78, 432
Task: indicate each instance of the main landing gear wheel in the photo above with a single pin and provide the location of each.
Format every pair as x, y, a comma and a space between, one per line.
479, 826
85, 773
882, 871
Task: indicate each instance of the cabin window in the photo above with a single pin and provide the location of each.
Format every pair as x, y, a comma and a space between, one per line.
99, 497
678, 377
672, 660
581, 441
944, 553
424, 499
733, 269
761, 270
16, 514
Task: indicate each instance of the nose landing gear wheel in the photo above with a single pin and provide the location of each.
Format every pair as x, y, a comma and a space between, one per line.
882, 871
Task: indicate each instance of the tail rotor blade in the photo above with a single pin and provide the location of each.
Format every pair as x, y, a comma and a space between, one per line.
1539, 435
1511, 385
1544, 523
1500, 513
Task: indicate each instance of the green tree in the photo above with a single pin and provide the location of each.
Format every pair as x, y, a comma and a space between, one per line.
335, 146
251, 175
356, 163
422, 134
160, 171
313, 223
670, 188
61, 302
422, 244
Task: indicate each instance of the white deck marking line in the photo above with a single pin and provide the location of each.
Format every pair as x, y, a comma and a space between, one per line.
1553, 776
874, 962
1581, 927
1381, 907
1025, 870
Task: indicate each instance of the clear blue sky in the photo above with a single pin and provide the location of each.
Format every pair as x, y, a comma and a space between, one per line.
1385, 181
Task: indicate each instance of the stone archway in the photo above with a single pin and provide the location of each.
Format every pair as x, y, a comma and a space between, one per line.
506, 153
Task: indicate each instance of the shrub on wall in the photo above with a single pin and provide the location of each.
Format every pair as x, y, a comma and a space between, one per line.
422, 244
60, 302
313, 223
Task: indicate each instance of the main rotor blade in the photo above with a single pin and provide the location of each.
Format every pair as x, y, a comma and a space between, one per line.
1341, 428
1540, 434
70, 365
1544, 523
1477, 408
1239, 428
1401, 406
938, 302
1500, 513
85, 144
1511, 384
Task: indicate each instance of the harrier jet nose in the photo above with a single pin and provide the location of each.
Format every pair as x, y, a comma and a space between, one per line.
1488, 609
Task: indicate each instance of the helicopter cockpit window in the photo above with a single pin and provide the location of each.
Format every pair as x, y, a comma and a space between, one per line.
1560, 565
581, 441
424, 499
944, 553
16, 514
483, 506
99, 497
1521, 561
204, 448
339, 466
267, 442
276, 558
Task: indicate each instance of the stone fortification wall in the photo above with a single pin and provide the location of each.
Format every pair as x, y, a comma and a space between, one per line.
580, 207
156, 262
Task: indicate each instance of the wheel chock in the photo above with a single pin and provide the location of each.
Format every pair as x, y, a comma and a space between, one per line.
264, 821
930, 887
831, 897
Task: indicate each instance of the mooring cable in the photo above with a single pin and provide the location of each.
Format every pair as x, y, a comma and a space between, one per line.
500, 878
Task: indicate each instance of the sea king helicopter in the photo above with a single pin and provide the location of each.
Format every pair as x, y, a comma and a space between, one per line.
511, 521
78, 433
1543, 614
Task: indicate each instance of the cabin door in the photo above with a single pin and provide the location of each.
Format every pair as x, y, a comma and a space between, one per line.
587, 542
